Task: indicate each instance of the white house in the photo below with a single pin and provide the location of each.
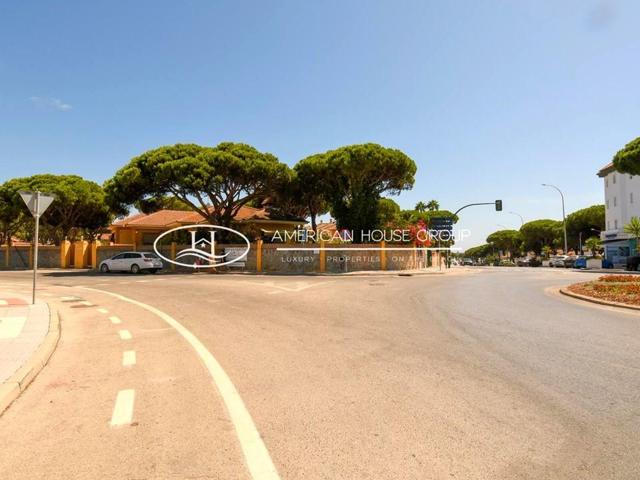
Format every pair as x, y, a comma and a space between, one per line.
622, 201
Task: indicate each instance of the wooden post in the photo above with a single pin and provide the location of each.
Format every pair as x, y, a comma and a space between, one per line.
7, 252
30, 256
383, 256
258, 255
173, 254
323, 257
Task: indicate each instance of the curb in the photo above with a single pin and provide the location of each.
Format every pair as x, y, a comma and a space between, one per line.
569, 293
19, 381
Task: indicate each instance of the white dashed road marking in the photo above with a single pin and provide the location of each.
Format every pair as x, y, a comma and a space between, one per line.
3, 303
103, 310
125, 334
123, 409
86, 303
70, 299
255, 452
115, 320
128, 358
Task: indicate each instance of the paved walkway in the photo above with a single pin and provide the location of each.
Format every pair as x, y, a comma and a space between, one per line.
23, 327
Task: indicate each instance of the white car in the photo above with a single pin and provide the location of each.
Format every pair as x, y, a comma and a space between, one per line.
558, 261
133, 262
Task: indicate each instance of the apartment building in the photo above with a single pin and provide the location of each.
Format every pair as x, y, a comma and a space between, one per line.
622, 201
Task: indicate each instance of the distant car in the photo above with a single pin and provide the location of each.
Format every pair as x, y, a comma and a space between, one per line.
607, 263
522, 262
534, 262
557, 261
467, 262
134, 262
581, 262
632, 263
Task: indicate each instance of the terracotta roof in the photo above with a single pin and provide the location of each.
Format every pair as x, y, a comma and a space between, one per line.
166, 218
607, 169
326, 227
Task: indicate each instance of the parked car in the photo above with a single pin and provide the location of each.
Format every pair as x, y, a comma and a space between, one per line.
580, 262
632, 263
534, 262
134, 262
467, 262
522, 262
557, 261
570, 261
607, 263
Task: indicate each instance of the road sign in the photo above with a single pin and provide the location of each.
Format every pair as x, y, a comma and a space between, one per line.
441, 224
37, 203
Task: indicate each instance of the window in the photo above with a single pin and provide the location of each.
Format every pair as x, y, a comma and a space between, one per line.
615, 201
614, 178
608, 225
131, 255
150, 255
606, 182
631, 197
607, 203
118, 257
615, 224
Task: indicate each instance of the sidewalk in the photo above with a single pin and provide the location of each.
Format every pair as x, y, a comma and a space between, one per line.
25, 343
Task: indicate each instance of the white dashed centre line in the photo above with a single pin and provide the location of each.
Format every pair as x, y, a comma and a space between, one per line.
123, 409
128, 358
125, 334
115, 320
103, 310
4, 302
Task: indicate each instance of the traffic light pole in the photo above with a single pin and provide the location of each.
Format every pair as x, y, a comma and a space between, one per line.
483, 203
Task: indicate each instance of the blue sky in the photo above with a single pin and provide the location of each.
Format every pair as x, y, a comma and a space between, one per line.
490, 98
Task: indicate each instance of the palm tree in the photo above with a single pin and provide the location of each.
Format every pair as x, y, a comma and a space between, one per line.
420, 206
633, 229
593, 244
433, 205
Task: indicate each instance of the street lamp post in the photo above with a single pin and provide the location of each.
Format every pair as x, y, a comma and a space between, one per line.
564, 218
580, 241
521, 217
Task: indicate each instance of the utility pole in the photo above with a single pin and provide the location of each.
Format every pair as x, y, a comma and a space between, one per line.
564, 218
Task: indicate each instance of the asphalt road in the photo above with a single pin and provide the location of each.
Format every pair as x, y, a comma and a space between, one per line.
479, 375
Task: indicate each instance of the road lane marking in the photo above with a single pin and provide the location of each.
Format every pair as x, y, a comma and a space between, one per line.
125, 334
128, 358
255, 452
123, 408
4, 303
103, 310
86, 303
10, 327
115, 320
70, 299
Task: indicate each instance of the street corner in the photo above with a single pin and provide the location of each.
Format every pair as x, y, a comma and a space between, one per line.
28, 337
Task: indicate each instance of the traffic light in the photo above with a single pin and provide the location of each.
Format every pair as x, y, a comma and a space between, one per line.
498, 205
